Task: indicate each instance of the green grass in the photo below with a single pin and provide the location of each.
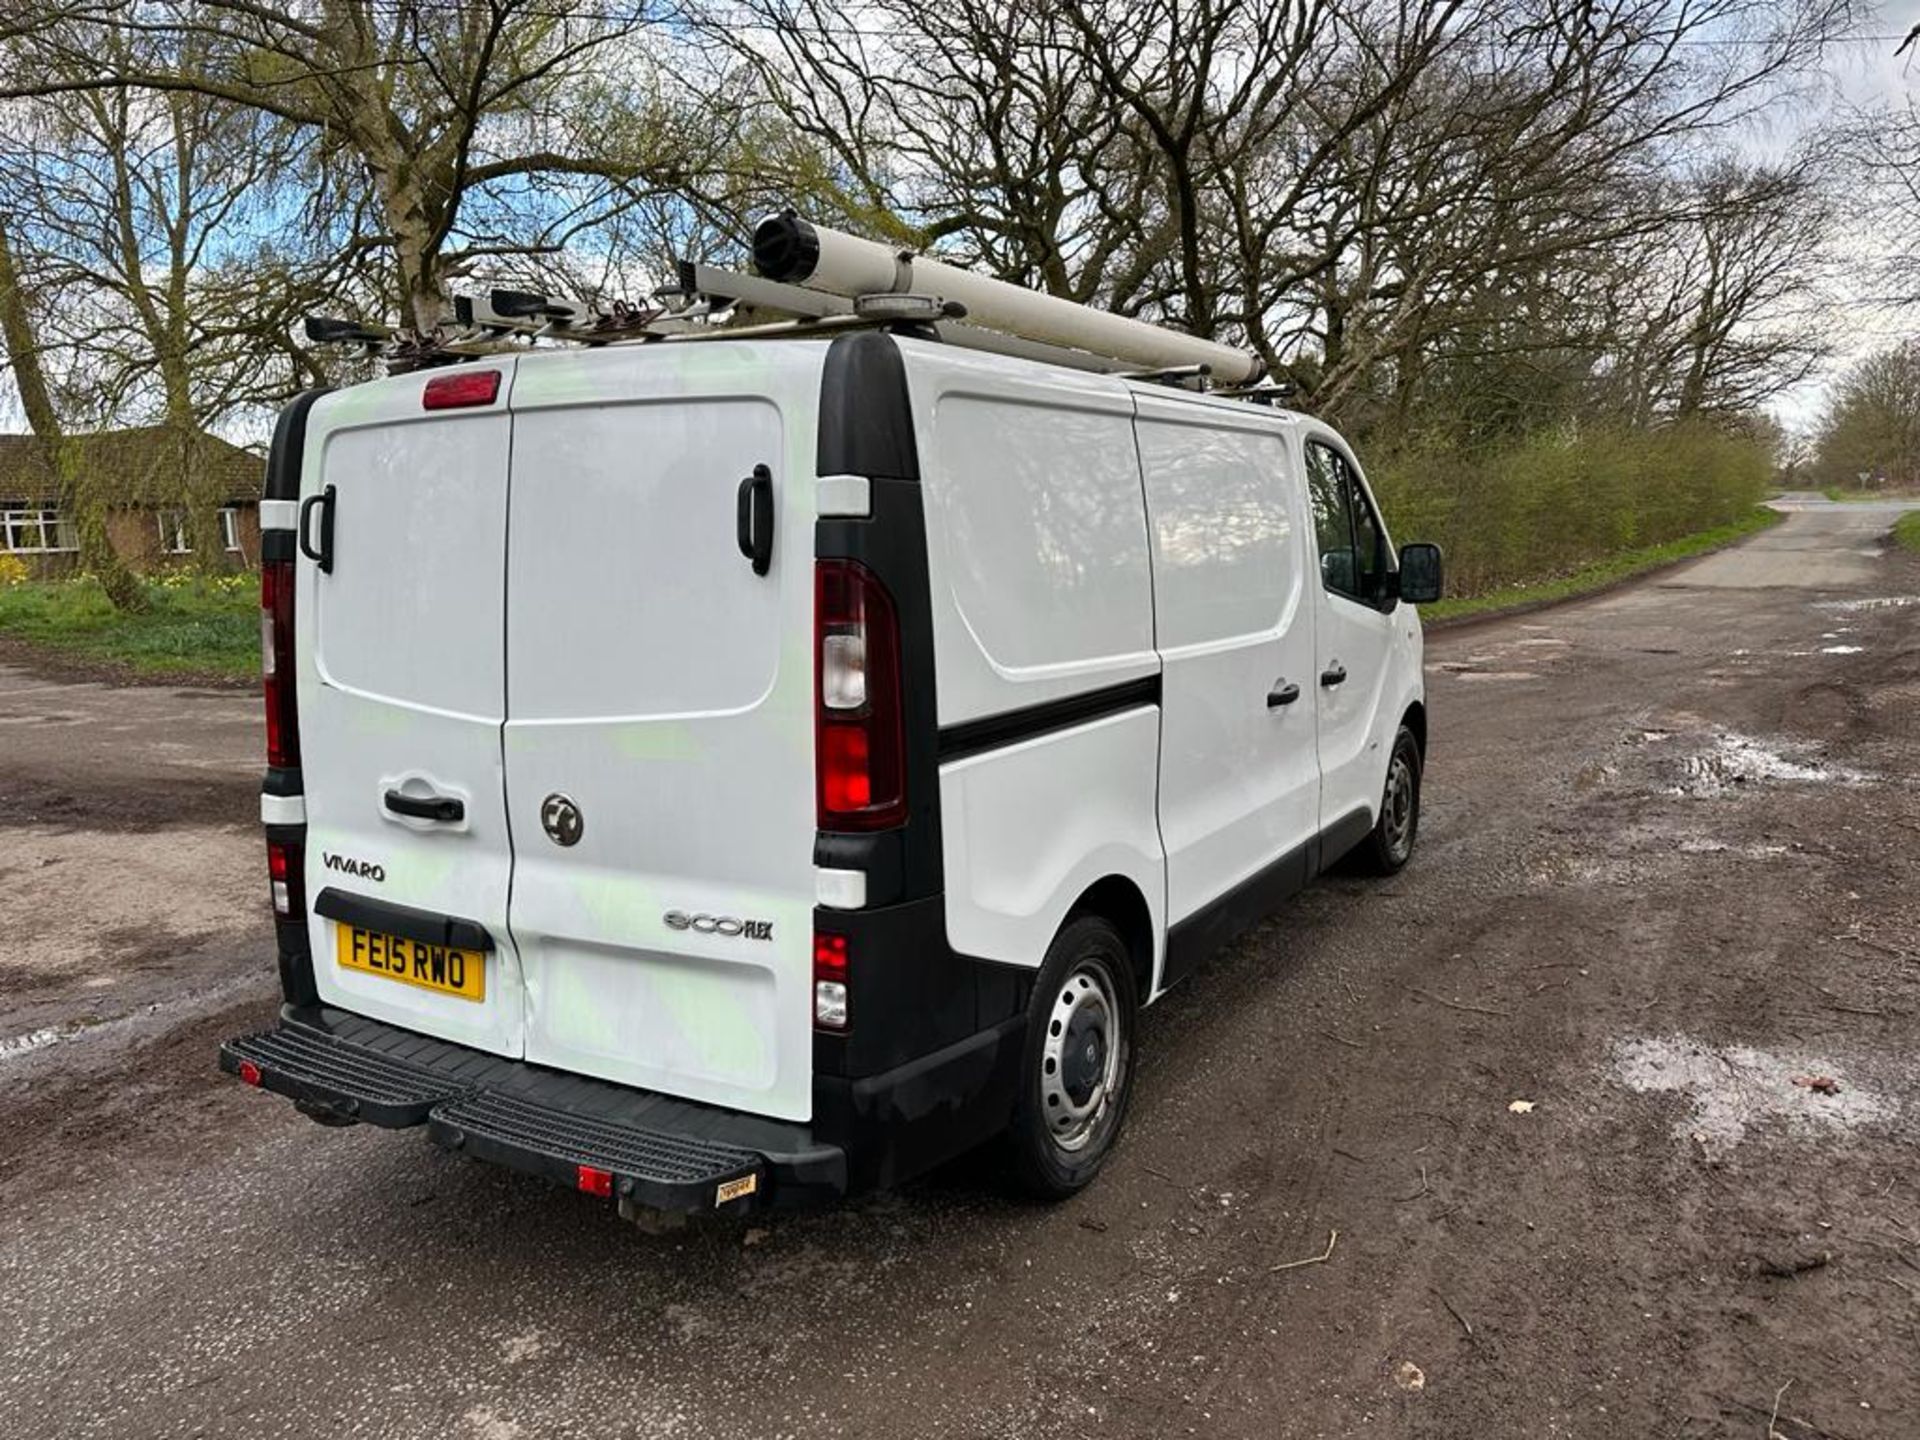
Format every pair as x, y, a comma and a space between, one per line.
193, 628
1840, 495
1610, 571
1906, 531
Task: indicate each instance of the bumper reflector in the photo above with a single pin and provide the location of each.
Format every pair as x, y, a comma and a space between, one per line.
595, 1181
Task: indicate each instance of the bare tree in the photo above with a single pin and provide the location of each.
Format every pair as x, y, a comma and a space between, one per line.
479, 128
63, 476
1870, 434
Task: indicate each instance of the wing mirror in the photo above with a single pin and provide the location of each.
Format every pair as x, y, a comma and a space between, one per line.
1421, 572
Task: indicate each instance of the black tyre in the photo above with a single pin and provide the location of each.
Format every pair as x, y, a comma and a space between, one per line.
1077, 1064
1389, 845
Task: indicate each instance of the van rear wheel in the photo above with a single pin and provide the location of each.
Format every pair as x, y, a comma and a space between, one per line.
1077, 1063
1390, 843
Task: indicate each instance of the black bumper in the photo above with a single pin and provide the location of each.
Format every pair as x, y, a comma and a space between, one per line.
607, 1139
633, 1145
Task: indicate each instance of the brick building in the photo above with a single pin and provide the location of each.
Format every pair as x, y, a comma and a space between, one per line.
147, 526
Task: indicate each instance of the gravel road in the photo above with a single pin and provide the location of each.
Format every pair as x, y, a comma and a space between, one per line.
1544, 1085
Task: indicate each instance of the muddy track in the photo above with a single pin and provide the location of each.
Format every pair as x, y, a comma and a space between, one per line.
1667, 870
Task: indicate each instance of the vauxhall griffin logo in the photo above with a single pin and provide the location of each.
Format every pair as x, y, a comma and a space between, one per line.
561, 819
347, 865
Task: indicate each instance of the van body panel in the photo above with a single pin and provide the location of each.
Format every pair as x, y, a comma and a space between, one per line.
1239, 774
1380, 651
665, 690
1026, 834
401, 688
1036, 541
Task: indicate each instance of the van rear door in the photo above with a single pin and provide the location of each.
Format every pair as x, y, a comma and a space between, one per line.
401, 688
659, 741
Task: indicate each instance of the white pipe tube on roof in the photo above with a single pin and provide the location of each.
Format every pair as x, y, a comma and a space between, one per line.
789, 249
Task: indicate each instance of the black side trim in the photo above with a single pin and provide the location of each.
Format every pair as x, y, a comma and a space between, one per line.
901, 1124
866, 416
1341, 836
1009, 728
1221, 919
1225, 917
289, 447
426, 926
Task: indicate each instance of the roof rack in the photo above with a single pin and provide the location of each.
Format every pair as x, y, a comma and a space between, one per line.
814, 281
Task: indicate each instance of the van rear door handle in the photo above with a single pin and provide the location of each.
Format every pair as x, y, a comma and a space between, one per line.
754, 520
322, 555
443, 808
1284, 692
1333, 674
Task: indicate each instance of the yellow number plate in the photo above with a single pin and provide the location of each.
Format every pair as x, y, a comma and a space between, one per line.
431, 967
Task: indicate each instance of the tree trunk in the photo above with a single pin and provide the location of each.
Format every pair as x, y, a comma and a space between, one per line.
69, 480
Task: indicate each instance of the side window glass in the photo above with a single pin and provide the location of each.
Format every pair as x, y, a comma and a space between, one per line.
1368, 549
1327, 490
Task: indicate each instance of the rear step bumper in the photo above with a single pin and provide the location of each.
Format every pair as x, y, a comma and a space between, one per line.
638, 1147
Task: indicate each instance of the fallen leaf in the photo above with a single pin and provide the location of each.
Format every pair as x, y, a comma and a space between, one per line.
754, 1236
1410, 1377
1823, 1084
1521, 1107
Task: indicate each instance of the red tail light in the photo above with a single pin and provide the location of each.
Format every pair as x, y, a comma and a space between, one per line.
860, 754
831, 1010
458, 391
594, 1180
276, 663
286, 870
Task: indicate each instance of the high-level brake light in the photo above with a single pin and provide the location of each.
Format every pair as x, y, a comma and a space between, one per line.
460, 390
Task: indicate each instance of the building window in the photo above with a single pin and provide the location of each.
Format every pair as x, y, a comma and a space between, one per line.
176, 536
35, 532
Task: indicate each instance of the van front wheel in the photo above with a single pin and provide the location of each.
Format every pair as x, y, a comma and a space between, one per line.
1390, 844
1077, 1063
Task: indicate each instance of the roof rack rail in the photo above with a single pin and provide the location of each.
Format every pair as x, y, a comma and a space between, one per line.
813, 281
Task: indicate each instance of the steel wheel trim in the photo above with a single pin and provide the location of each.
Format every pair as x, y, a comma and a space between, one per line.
1397, 812
1082, 1057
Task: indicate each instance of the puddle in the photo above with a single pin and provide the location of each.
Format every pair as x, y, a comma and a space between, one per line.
18, 1045
1841, 649
1732, 761
1735, 1089
1497, 675
1720, 847
1874, 602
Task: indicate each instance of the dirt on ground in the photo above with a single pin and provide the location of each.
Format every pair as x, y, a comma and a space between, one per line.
1597, 1121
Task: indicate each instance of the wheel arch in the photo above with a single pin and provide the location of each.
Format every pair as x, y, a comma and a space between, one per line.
1119, 899
1415, 719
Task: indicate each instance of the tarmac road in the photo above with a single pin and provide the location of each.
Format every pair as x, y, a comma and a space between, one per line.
1667, 869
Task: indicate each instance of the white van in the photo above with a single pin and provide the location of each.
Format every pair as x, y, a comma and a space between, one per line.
746, 773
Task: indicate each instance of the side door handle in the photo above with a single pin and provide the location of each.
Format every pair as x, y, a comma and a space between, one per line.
323, 555
754, 520
1284, 692
1333, 675
443, 808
